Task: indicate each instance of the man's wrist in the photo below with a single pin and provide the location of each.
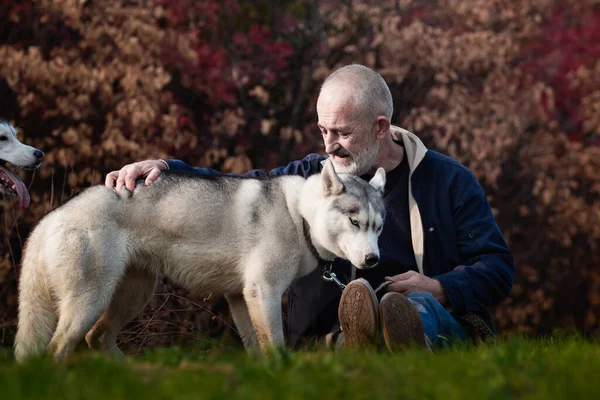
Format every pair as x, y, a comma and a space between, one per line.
164, 163
442, 296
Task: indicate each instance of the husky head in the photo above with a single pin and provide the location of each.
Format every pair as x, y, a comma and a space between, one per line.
19, 155
350, 222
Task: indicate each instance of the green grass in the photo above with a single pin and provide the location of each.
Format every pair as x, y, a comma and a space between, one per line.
565, 368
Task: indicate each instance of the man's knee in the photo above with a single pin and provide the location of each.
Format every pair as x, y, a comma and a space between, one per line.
423, 298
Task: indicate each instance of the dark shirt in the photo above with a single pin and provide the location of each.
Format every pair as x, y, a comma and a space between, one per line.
396, 253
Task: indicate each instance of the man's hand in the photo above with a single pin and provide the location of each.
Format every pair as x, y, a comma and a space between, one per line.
130, 172
413, 281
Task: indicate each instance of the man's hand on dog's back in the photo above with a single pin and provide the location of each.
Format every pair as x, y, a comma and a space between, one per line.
127, 175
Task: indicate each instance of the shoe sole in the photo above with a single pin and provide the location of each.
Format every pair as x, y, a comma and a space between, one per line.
358, 314
401, 324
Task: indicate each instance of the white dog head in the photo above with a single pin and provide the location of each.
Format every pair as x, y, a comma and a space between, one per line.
19, 155
350, 223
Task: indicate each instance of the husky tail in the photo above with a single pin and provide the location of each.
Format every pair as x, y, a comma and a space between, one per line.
37, 314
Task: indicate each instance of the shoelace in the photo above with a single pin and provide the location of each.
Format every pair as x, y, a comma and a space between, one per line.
382, 286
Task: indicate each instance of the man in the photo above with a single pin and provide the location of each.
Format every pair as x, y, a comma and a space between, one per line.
443, 260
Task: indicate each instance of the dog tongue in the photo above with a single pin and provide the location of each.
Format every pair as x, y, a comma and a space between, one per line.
24, 198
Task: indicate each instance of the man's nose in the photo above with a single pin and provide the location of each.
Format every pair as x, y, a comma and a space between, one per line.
331, 144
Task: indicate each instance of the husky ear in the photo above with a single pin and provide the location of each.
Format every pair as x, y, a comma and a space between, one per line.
378, 180
332, 185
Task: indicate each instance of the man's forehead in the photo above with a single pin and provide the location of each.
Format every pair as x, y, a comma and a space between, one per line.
338, 119
335, 110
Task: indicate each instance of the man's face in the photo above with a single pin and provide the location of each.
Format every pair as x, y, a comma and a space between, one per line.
349, 139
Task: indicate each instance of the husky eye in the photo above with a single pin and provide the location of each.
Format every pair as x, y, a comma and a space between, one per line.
3, 138
353, 222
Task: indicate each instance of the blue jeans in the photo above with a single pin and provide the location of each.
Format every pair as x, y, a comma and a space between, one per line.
440, 327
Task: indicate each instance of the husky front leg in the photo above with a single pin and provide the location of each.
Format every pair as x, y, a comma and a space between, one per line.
241, 318
264, 307
269, 271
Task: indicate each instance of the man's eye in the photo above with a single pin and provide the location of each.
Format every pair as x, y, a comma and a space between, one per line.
354, 222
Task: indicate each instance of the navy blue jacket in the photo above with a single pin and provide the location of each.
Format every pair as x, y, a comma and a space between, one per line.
463, 246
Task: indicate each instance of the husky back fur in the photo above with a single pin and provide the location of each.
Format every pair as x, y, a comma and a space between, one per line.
91, 265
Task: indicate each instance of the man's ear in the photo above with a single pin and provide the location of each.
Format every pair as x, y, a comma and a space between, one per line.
332, 185
383, 127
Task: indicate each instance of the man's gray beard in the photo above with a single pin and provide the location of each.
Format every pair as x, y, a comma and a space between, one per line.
361, 163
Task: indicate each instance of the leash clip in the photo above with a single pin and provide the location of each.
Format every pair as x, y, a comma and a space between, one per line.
330, 276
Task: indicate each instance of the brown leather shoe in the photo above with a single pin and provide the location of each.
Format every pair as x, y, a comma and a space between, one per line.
400, 322
358, 314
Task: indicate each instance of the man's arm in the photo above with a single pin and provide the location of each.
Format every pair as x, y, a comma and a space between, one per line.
151, 169
485, 274
307, 166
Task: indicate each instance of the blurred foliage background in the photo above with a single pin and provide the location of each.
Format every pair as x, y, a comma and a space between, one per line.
508, 87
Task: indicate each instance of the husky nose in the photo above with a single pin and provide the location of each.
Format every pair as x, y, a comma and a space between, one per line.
371, 259
38, 154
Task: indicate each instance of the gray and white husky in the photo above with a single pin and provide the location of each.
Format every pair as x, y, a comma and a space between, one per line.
91, 265
19, 155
